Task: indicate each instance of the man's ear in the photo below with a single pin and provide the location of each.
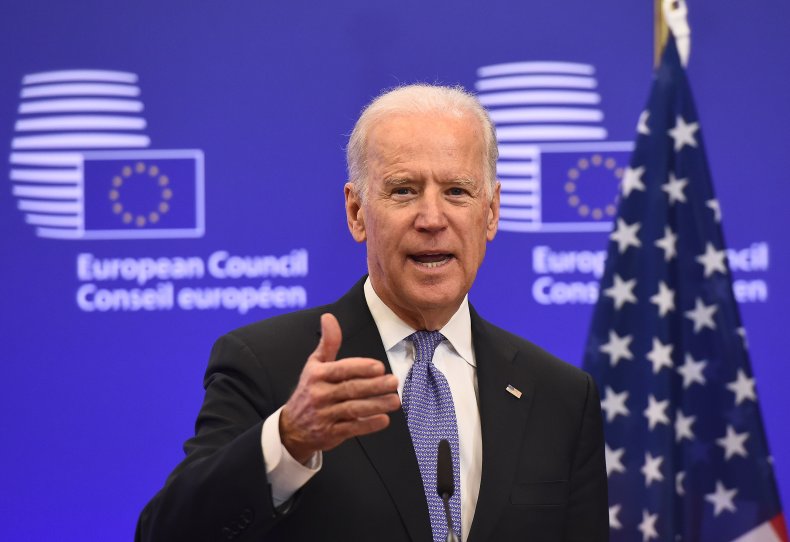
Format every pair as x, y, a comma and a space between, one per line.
493, 214
354, 213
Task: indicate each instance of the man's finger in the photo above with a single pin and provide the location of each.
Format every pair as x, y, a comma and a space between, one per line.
348, 368
359, 409
371, 424
331, 337
360, 388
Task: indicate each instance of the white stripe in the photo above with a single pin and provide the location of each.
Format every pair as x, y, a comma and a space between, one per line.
509, 225
80, 89
54, 220
46, 158
42, 206
527, 200
512, 185
525, 214
80, 141
763, 533
519, 151
554, 227
536, 81
79, 75
598, 146
54, 233
143, 233
517, 168
81, 122
47, 192
538, 97
545, 114
190, 154
514, 68
81, 104
47, 175
549, 133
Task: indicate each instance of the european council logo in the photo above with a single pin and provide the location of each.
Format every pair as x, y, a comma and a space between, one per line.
81, 166
558, 173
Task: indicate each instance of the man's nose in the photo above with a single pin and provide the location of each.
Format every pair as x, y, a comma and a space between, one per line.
431, 212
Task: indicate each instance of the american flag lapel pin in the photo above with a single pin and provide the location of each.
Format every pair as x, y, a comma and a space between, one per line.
513, 391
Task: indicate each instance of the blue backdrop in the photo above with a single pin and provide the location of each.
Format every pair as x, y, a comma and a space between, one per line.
175, 170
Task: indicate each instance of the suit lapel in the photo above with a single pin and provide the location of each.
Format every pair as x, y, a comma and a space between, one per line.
390, 451
502, 420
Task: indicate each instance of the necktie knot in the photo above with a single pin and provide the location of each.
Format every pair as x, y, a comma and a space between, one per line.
425, 343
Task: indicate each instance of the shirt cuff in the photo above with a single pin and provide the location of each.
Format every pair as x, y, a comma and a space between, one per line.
285, 474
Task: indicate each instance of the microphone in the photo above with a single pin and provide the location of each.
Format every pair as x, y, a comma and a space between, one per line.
445, 484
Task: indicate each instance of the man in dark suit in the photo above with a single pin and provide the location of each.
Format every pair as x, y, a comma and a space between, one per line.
302, 442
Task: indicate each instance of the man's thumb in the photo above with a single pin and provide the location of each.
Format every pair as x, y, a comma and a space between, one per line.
331, 337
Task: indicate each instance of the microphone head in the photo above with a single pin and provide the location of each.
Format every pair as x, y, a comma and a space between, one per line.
445, 485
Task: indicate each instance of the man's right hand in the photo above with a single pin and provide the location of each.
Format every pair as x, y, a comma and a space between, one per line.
336, 400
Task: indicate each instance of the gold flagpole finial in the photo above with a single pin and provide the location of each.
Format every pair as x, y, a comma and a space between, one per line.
660, 31
671, 15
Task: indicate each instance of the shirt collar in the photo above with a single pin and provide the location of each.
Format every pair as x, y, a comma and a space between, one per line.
393, 330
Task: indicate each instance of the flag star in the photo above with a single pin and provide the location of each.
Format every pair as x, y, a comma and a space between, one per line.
648, 526
668, 244
652, 469
683, 133
721, 499
691, 370
674, 189
713, 204
656, 412
622, 292
679, 477
664, 299
618, 347
742, 387
614, 461
660, 355
625, 235
614, 404
683, 426
641, 126
614, 522
702, 315
713, 260
632, 180
732, 443
742, 332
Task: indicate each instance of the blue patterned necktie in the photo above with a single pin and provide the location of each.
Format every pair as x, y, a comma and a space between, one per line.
428, 404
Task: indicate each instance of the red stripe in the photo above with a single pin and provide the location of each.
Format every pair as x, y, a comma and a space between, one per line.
779, 527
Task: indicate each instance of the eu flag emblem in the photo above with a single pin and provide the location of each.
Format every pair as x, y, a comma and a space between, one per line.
143, 194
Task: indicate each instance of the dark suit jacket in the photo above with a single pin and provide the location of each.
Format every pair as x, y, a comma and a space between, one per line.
543, 477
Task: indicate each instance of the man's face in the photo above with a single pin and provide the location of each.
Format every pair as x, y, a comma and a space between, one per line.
427, 215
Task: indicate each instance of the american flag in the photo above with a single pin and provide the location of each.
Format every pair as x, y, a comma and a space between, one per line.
686, 453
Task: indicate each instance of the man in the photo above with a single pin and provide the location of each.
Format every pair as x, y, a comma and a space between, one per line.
302, 442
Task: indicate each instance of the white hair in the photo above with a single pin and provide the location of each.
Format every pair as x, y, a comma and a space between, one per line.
413, 99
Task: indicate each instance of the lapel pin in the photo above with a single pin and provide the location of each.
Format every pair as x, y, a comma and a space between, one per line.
513, 391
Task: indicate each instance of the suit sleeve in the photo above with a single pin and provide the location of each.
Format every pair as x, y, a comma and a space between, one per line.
588, 505
220, 490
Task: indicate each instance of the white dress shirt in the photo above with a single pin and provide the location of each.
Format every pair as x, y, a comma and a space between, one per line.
454, 357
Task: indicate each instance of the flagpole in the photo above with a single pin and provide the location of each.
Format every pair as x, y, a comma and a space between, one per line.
660, 32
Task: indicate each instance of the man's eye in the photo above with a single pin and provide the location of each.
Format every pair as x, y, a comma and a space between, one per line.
455, 191
403, 191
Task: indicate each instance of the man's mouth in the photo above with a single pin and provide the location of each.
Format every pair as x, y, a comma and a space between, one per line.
432, 260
